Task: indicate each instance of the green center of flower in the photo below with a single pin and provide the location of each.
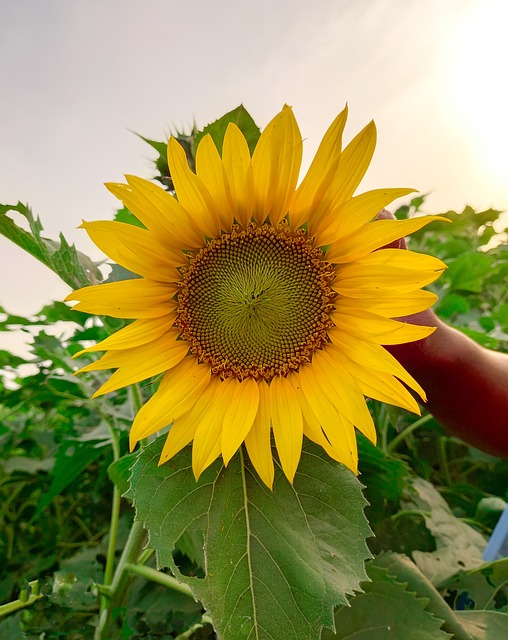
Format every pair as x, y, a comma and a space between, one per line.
256, 302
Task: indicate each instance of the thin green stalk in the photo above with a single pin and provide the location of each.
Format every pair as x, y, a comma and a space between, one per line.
443, 460
410, 512
10, 499
145, 556
384, 420
159, 577
115, 517
116, 591
404, 434
113, 534
137, 401
25, 599
186, 635
494, 594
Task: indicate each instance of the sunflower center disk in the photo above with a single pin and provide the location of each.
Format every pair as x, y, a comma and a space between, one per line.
256, 302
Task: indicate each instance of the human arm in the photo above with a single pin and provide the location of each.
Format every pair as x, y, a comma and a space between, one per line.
466, 384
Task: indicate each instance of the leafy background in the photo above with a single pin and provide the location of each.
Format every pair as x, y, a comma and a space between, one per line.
432, 500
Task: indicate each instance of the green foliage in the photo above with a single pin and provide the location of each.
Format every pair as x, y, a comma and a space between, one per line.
274, 560
370, 616
75, 563
73, 267
239, 116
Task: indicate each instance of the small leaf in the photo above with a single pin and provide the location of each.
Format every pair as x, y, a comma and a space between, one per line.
386, 610
468, 271
239, 116
73, 267
404, 570
124, 215
119, 273
8, 359
120, 470
485, 625
276, 562
452, 304
161, 163
483, 588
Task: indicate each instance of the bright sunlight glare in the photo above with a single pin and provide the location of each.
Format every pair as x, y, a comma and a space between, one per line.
476, 83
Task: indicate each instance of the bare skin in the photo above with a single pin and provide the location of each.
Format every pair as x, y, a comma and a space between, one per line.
466, 384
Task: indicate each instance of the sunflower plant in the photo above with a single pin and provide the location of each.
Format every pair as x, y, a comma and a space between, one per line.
245, 319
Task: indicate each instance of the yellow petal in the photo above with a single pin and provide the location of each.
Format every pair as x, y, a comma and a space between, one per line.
378, 385
178, 392
372, 356
375, 235
243, 403
352, 214
312, 196
141, 362
192, 193
238, 167
159, 211
354, 162
207, 440
329, 418
387, 272
179, 436
258, 440
342, 439
276, 164
137, 333
186, 425
311, 425
138, 298
373, 328
343, 392
135, 249
287, 424
210, 170
398, 305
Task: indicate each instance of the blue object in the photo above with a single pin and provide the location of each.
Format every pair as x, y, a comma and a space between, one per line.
498, 544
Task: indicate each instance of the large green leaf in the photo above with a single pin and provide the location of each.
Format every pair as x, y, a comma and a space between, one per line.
73, 267
276, 562
386, 610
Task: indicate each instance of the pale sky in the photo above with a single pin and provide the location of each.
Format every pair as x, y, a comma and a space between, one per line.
77, 78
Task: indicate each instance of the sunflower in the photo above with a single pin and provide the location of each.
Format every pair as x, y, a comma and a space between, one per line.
265, 305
